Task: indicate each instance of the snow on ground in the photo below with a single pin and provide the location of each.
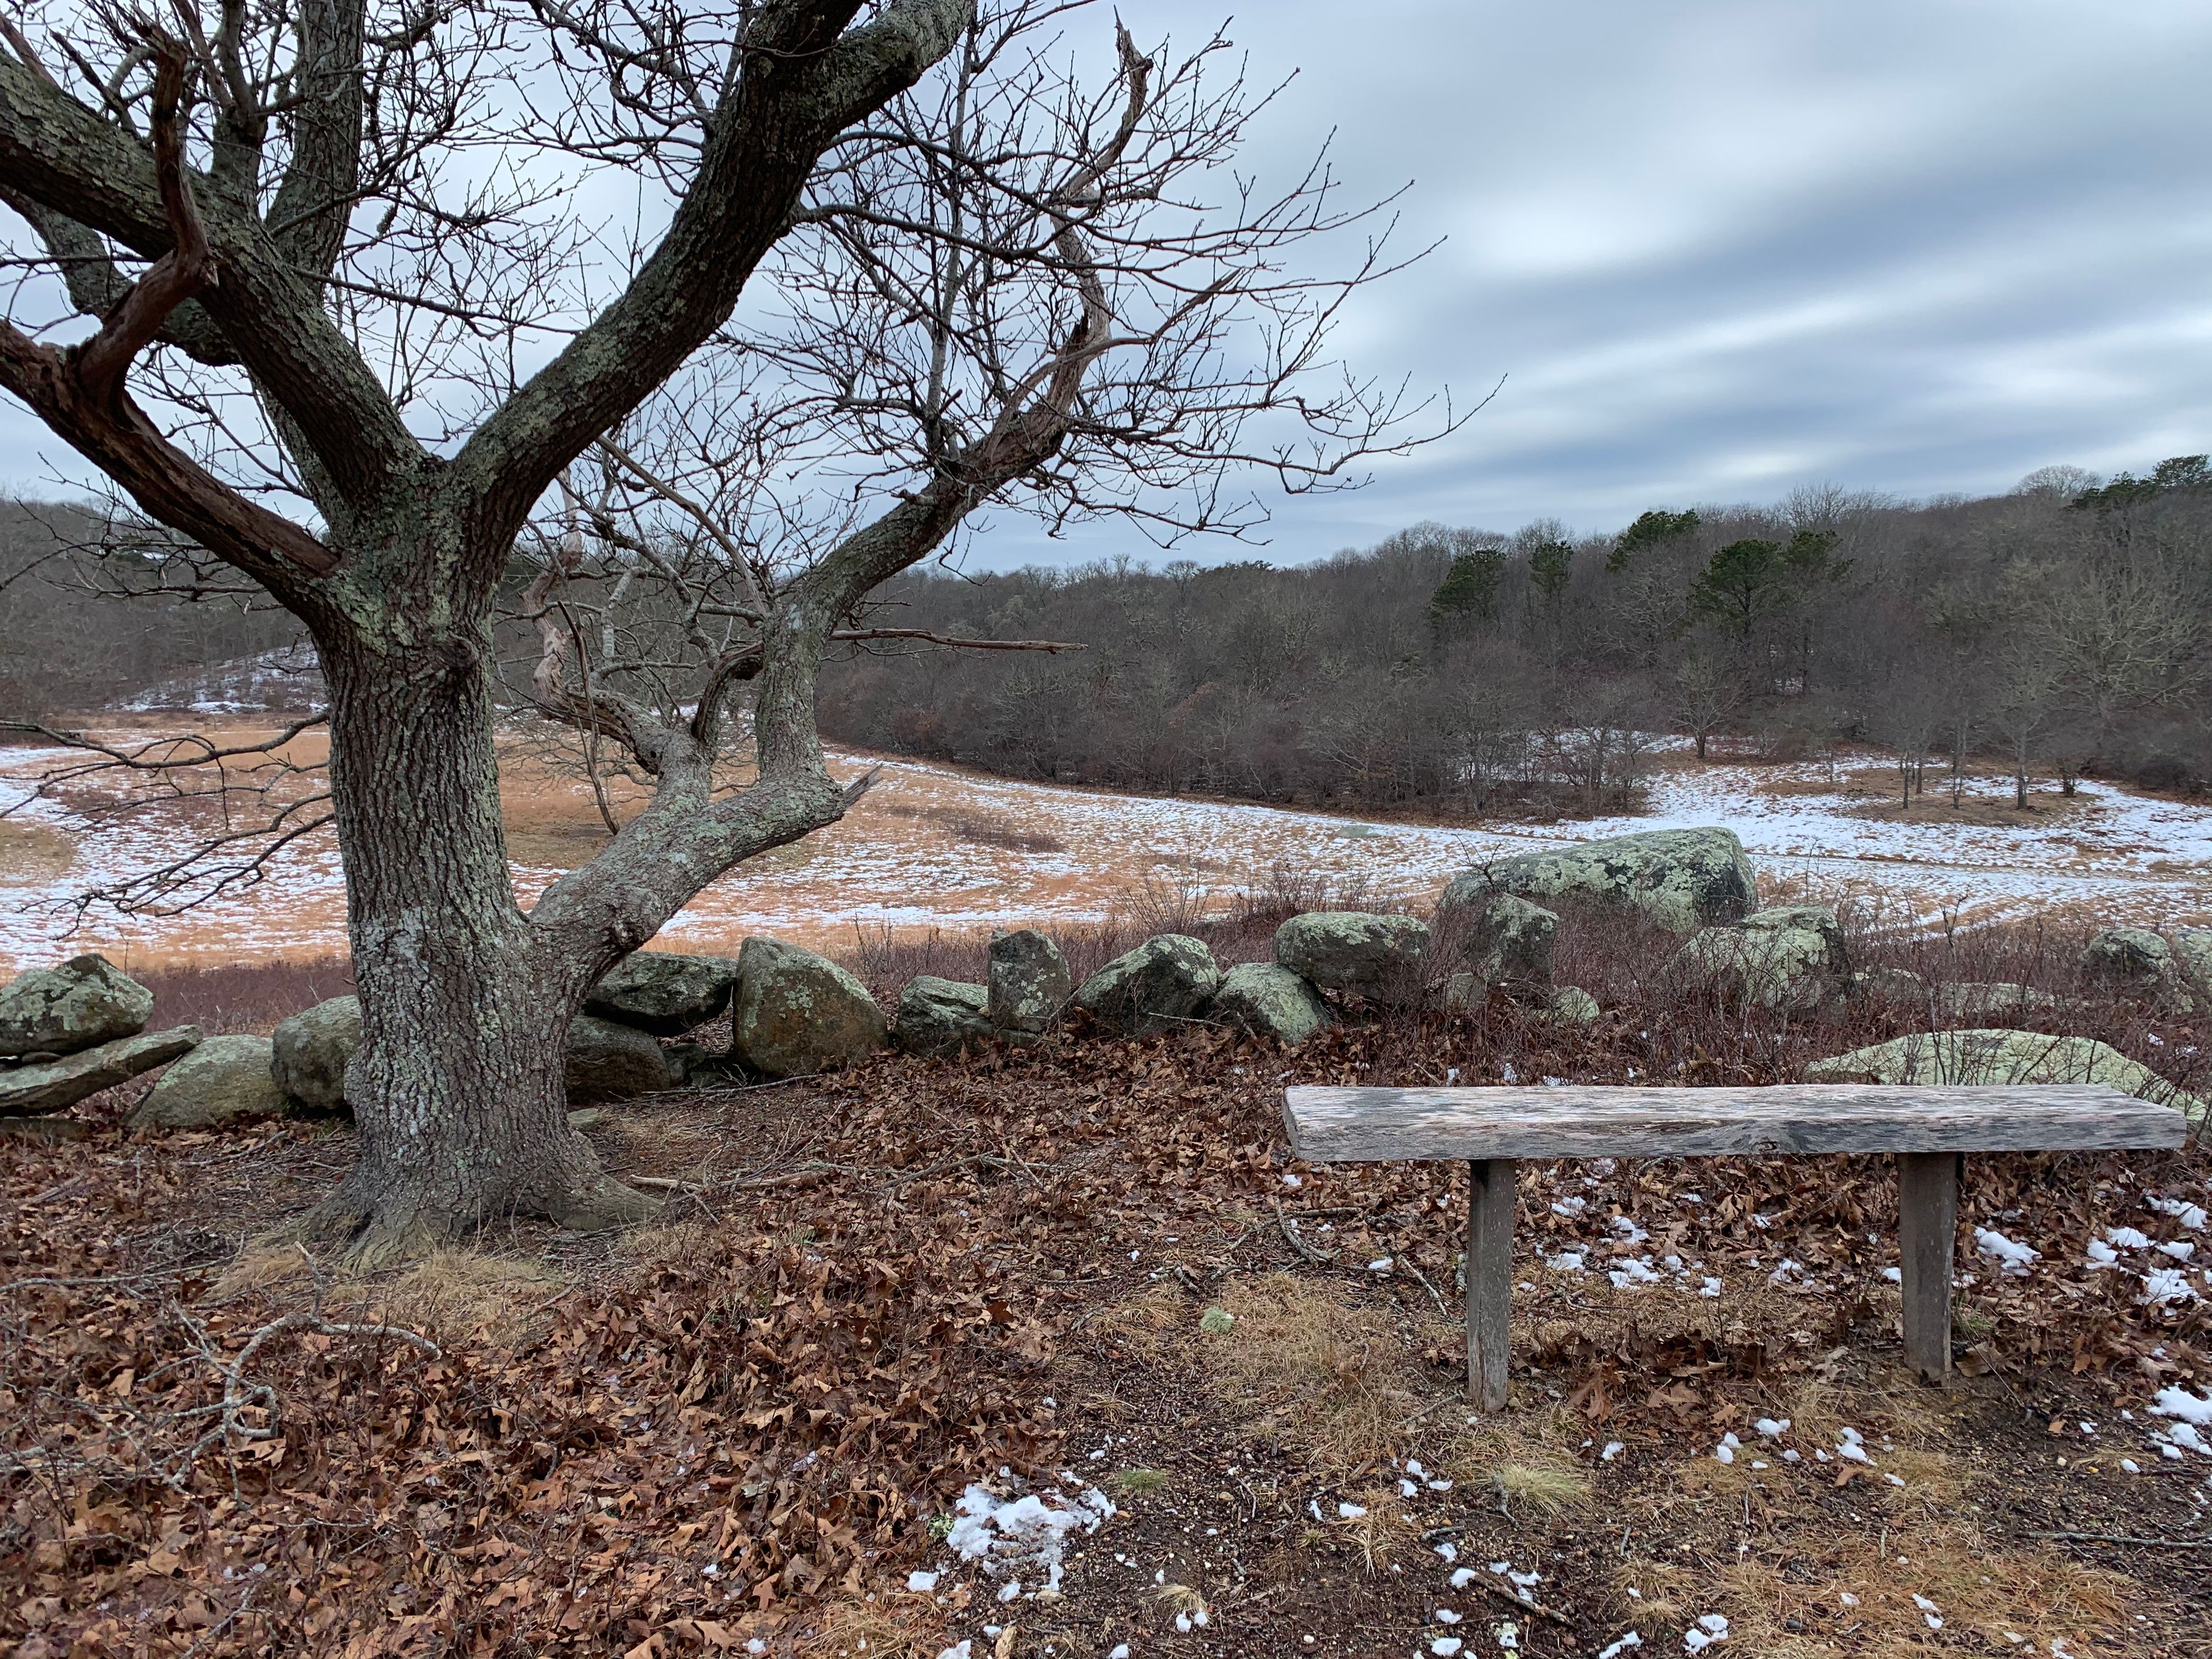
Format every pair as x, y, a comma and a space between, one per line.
907, 858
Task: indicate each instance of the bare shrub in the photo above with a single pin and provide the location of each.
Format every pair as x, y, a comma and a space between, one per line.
243, 996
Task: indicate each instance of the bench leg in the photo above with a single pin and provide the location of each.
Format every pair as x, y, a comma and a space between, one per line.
1928, 1225
1489, 1278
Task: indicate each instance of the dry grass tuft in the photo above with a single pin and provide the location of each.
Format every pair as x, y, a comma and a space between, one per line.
1340, 1377
1385, 1533
866, 1630
1530, 1467
447, 1296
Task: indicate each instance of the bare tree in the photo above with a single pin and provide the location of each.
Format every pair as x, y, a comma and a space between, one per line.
368, 361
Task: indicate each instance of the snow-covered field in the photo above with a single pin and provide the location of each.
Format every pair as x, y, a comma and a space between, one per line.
907, 858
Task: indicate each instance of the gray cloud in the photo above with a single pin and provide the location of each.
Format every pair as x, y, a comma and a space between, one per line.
1720, 249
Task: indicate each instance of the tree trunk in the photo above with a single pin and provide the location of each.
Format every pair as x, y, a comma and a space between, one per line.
458, 1087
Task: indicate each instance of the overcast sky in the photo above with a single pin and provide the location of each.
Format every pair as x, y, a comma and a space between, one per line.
1720, 250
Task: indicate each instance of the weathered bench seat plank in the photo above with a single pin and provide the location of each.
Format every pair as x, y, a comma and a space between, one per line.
1338, 1126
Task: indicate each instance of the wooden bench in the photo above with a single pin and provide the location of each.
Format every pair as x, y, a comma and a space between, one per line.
1928, 1130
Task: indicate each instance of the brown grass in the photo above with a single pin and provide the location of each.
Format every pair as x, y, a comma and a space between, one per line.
32, 851
450, 1295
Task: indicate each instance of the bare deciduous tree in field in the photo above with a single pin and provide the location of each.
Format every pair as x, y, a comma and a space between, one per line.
344, 312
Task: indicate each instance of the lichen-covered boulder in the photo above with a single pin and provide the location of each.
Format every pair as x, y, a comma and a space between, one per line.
941, 1016
1572, 1006
1507, 940
53, 1086
1355, 951
1269, 1000
1029, 981
1792, 956
85, 1001
1163, 982
797, 1013
2192, 954
1990, 1055
662, 992
2133, 961
309, 1051
224, 1080
604, 1061
1681, 879
1989, 1000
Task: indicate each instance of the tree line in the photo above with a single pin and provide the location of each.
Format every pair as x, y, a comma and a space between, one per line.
2058, 628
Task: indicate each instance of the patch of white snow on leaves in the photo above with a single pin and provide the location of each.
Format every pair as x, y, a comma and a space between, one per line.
2191, 1215
2013, 1258
1928, 1611
1027, 1534
1615, 1650
1711, 1627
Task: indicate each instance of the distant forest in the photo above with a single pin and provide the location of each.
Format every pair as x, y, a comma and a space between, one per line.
2060, 630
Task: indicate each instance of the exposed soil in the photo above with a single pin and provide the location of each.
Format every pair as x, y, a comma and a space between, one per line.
871, 1291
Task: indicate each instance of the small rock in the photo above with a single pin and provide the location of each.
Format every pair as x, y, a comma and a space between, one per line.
1355, 951
797, 1013
1029, 981
1269, 1000
85, 1001
607, 1061
1163, 982
663, 993
942, 1015
222, 1079
2133, 961
1572, 1006
1509, 940
308, 1053
33, 1090
1790, 956
1681, 879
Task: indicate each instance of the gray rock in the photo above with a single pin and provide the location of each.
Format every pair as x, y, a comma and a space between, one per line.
2133, 961
85, 1001
2192, 954
942, 1015
1269, 1000
1892, 984
607, 1061
1990, 999
1792, 956
1462, 993
32, 1091
797, 1013
662, 992
1029, 981
1997, 1056
1163, 982
1356, 952
1681, 879
1572, 1006
1509, 940
309, 1051
224, 1079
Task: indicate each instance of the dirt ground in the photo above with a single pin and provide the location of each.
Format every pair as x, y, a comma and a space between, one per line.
1089, 1267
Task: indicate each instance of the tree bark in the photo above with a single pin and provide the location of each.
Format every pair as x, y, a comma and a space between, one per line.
458, 1085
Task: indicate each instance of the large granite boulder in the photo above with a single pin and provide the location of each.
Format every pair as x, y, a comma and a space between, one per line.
85, 1001
1508, 940
607, 1061
224, 1080
797, 1013
1029, 981
1572, 1006
1991, 1055
2192, 956
1973, 999
1163, 982
55, 1084
942, 1015
1355, 951
309, 1051
662, 992
1792, 956
2132, 961
1681, 879
1269, 1000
